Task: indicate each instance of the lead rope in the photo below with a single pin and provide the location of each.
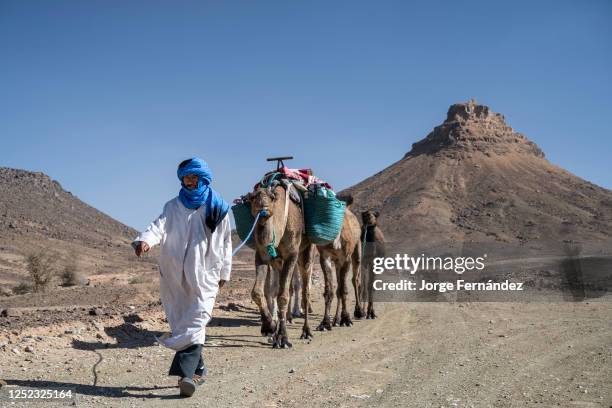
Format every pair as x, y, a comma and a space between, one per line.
262, 212
365, 235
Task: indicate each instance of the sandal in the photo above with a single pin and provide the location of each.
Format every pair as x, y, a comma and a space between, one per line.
197, 379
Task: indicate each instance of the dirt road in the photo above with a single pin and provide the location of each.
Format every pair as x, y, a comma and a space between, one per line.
414, 355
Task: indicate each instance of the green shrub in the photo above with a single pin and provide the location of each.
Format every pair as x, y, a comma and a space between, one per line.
41, 266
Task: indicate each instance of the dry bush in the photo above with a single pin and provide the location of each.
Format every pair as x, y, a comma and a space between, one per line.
69, 275
22, 288
41, 266
138, 279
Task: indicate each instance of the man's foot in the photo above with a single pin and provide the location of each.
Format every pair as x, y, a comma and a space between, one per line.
197, 379
187, 387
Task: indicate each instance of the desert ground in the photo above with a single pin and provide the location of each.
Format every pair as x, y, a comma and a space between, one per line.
452, 354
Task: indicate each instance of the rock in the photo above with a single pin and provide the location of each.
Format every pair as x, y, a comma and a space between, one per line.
93, 312
10, 312
291, 370
16, 351
29, 349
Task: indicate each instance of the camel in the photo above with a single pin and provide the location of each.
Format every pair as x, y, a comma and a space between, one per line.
345, 255
282, 227
373, 242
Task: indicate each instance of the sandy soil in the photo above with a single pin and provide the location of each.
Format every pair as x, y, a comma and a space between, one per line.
414, 355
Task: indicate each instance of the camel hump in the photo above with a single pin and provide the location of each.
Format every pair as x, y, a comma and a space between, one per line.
346, 197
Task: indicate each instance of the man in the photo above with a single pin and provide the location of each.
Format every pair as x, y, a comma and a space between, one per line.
195, 261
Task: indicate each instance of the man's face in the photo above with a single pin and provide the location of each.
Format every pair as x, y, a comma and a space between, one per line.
190, 181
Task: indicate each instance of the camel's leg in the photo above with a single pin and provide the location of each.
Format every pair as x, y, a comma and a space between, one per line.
289, 263
257, 294
272, 291
367, 292
305, 266
371, 314
339, 289
356, 267
296, 285
309, 289
345, 317
330, 289
365, 281
292, 294
308, 303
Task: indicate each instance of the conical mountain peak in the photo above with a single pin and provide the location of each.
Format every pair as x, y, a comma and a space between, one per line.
473, 127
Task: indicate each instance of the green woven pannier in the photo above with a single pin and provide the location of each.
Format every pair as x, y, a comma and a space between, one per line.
244, 222
324, 215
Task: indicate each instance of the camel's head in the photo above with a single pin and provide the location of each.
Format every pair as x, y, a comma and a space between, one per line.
346, 197
370, 217
263, 199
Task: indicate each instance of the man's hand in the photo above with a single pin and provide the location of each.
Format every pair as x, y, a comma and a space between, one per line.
140, 247
221, 283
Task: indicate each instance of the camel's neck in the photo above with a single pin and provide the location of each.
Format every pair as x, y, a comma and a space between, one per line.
278, 219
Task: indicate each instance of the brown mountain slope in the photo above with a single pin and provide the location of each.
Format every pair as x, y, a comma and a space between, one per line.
36, 213
33, 204
473, 178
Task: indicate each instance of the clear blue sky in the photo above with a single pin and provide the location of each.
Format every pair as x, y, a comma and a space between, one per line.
107, 97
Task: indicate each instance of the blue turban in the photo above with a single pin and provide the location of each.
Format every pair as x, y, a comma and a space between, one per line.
216, 207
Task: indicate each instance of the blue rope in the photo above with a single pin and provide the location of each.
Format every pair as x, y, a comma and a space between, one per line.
262, 212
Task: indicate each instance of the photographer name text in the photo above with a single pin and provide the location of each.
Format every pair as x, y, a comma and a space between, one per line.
459, 284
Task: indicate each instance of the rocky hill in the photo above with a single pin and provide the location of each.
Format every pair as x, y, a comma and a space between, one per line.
475, 179
37, 214
34, 205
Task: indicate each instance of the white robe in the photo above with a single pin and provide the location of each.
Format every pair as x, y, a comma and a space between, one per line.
191, 263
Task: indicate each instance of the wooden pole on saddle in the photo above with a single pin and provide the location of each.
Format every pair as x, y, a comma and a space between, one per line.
279, 161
